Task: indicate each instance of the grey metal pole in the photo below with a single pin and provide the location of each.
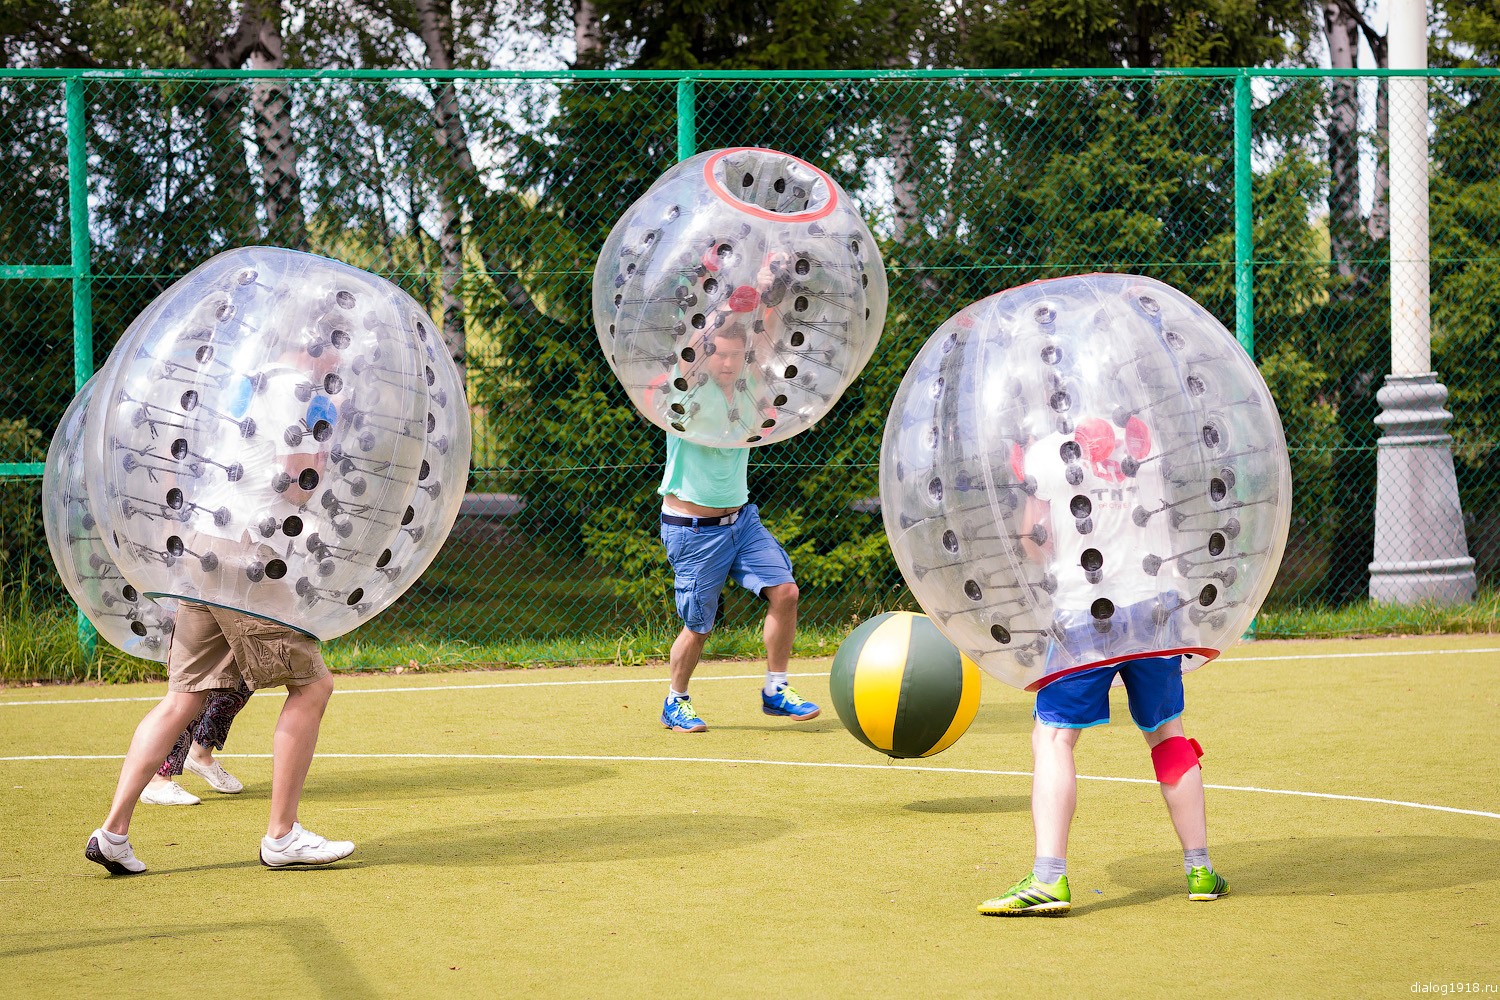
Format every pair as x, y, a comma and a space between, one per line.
1421, 553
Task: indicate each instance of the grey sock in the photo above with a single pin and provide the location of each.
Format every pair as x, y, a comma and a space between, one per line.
1196, 858
1049, 870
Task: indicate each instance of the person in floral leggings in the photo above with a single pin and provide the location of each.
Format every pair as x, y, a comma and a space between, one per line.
194, 752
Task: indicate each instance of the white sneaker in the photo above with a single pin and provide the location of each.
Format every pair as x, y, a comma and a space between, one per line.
218, 779
119, 859
168, 793
306, 848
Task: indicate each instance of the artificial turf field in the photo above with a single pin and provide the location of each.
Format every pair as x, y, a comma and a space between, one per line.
549, 844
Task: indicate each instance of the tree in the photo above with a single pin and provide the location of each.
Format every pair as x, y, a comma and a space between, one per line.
998, 183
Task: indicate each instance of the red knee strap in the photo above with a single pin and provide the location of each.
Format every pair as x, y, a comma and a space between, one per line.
1173, 757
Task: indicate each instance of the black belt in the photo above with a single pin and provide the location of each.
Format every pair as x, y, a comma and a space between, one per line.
701, 522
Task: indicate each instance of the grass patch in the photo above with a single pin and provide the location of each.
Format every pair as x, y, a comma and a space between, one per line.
1371, 619
41, 644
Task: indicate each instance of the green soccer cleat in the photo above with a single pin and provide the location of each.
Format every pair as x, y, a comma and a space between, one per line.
1205, 883
1030, 898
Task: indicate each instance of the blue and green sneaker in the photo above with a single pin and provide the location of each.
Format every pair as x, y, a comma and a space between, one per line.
680, 716
1030, 898
785, 702
1205, 883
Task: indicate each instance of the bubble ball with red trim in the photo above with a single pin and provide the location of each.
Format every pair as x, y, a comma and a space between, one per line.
739, 297
281, 434
119, 612
1082, 471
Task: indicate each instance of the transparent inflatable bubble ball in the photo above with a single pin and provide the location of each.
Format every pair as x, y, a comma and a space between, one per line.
1083, 471
119, 612
282, 434
739, 297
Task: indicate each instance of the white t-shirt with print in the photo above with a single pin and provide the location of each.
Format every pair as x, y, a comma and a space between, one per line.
1106, 498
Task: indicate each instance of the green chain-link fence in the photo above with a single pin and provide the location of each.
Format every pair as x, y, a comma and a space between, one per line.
487, 196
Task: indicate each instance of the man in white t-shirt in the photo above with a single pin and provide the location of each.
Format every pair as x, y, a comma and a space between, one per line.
1088, 486
1093, 545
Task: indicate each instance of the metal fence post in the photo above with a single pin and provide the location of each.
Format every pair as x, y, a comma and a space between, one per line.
1244, 232
1244, 219
687, 126
83, 283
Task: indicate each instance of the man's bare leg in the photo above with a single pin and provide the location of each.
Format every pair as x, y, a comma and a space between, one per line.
1054, 788
292, 747
781, 625
153, 740
1184, 799
687, 650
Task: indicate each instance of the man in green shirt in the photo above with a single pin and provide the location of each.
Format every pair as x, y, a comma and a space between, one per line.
712, 532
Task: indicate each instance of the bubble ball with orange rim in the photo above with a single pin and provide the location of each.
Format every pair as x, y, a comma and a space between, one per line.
1082, 471
739, 297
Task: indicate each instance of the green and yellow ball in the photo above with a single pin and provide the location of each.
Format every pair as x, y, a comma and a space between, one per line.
902, 688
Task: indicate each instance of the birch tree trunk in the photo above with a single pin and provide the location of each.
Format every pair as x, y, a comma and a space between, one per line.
435, 22
256, 37
271, 107
1344, 220
903, 175
224, 108
461, 187
588, 40
1380, 208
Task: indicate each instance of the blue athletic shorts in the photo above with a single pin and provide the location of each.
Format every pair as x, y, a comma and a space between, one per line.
703, 558
1078, 701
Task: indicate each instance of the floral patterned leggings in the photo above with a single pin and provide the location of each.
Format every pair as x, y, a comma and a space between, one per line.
210, 729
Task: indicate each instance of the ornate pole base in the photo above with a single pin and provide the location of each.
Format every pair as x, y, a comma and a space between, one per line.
1420, 550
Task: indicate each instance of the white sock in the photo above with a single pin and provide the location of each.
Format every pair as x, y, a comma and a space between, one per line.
115, 838
1048, 869
285, 838
775, 681
676, 695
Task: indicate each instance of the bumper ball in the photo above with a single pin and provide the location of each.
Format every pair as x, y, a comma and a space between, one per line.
1083, 471
119, 612
749, 251
281, 434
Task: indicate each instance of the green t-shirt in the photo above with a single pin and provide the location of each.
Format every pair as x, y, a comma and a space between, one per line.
707, 476
710, 477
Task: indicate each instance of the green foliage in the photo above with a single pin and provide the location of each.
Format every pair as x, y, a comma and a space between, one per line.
758, 34
24, 559
640, 572
1313, 439
1093, 33
1473, 29
999, 183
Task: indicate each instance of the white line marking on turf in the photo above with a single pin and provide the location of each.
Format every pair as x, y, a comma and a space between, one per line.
431, 688
1354, 656
796, 763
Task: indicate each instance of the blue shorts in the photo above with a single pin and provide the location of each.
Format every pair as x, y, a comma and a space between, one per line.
703, 558
1081, 700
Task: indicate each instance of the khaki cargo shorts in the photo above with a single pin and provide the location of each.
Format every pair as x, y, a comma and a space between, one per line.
214, 648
